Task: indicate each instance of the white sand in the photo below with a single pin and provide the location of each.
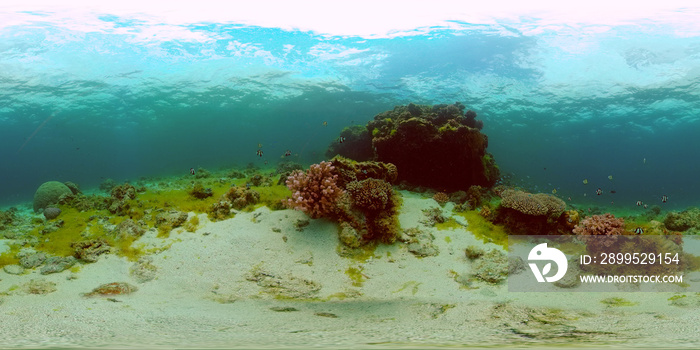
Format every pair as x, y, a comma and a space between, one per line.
201, 298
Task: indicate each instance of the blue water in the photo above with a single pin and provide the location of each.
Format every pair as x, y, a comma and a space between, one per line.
126, 96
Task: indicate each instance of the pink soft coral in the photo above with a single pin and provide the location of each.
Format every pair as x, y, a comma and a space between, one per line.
315, 191
605, 224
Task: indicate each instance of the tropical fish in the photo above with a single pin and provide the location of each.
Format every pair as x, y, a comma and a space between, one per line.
599, 191
325, 123
192, 171
664, 198
639, 203
646, 206
569, 198
259, 153
638, 230
609, 177
260, 145
341, 139
288, 153
644, 161
554, 191
585, 181
613, 191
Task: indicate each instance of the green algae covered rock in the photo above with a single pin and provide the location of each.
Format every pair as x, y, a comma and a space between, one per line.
49, 193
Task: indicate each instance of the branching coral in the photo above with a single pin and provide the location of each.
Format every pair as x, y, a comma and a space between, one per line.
600, 232
315, 191
596, 225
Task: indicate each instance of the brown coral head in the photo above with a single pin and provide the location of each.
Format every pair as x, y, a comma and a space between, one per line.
441, 198
370, 194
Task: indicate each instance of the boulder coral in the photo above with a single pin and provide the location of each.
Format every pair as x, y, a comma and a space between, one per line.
48, 194
438, 146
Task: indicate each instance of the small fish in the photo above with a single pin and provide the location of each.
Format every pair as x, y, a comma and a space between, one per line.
341, 139
554, 191
288, 153
259, 153
260, 145
638, 230
585, 181
545, 168
599, 191
609, 177
569, 198
644, 161
613, 191
247, 185
192, 171
664, 198
325, 123
646, 206
639, 203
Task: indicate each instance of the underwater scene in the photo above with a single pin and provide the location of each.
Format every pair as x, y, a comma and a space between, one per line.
351, 174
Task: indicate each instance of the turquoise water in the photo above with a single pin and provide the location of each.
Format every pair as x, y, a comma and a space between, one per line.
92, 94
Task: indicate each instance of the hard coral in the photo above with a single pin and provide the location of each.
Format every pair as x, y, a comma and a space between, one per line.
539, 204
434, 146
349, 170
441, 198
49, 193
596, 225
370, 194
315, 191
240, 197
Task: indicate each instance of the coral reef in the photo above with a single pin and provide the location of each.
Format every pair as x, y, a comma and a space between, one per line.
527, 213
441, 198
357, 144
48, 194
438, 146
241, 197
73, 187
120, 197
90, 250
601, 225
539, 204
198, 191
128, 229
7, 218
349, 170
683, 221
600, 232
373, 207
51, 213
315, 191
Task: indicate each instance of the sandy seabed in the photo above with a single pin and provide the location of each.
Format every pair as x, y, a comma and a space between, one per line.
203, 296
